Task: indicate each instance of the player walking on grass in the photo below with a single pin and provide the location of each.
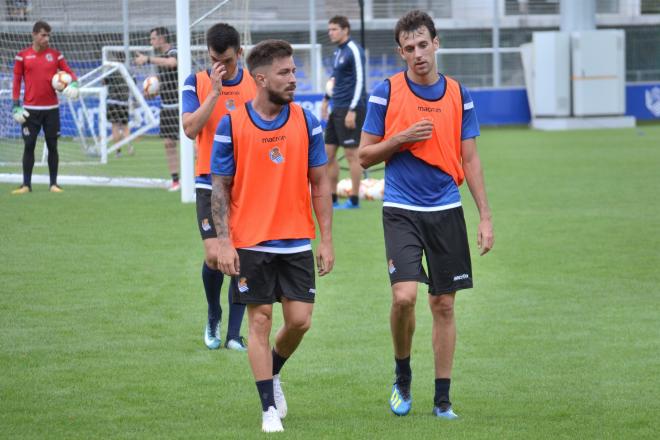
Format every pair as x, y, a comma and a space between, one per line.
424, 126
208, 95
166, 62
37, 65
269, 170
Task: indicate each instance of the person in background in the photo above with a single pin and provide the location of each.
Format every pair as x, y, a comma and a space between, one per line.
348, 102
166, 62
36, 65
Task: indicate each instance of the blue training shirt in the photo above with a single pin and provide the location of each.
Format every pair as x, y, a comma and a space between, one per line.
223, 163
348, 70
411, 183
191, 104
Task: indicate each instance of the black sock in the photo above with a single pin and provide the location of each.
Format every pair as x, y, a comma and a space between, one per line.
175, 177
334, 198
278, 362
441, 398
53, 160
212, 284
236, 312
403, 367
265, 389
355, 200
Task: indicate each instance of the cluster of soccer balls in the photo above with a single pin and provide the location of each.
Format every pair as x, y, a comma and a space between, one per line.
370, 189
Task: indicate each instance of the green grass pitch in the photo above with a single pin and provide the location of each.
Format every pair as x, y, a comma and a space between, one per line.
102, 311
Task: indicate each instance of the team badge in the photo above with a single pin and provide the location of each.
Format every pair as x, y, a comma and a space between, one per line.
49, 58
390, 266
242, 285
312, 291
230, 104
652, 100
26, 131
206, 226
275, 155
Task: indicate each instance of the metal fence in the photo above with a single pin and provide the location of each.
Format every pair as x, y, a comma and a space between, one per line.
466, 28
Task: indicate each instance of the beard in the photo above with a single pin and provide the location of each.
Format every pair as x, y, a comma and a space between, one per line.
278, 99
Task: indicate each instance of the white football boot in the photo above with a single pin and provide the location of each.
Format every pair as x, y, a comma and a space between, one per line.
270, 421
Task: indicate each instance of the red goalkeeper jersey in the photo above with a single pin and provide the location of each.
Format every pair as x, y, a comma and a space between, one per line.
37, 69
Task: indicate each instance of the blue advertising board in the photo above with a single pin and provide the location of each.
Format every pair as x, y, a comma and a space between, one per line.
494, 107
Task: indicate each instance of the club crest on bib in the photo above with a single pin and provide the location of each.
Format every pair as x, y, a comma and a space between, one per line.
230, 104
276, 155
242, 285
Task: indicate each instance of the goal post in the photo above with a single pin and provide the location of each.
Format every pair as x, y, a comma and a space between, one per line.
186, 157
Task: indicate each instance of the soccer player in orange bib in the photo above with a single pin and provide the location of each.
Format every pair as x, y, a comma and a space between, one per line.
269, 171
208, 95
423, 125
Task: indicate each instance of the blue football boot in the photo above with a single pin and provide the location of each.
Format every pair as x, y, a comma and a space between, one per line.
347, 205
401, 399
212, 335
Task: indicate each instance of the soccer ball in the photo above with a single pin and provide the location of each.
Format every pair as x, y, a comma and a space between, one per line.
61, 80
372, 189
344, 187
151, 86
330, 86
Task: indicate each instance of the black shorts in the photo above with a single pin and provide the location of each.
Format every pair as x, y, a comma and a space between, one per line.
49, 120
169, 123
117, 114
336, 132
440, 235
204, 216
267, 277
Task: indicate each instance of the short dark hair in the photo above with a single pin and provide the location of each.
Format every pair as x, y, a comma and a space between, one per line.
222, 36
264, 53
412, 21
38, 26
161, 31
340, 20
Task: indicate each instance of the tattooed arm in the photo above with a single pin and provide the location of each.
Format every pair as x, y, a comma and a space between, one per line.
228, 261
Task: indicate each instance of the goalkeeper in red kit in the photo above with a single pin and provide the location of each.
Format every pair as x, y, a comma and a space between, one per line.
36, 65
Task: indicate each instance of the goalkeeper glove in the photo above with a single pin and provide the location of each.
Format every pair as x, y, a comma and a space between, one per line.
19, 114
72, 91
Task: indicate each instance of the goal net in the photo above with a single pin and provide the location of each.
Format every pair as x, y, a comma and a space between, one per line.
110, 135
101, 41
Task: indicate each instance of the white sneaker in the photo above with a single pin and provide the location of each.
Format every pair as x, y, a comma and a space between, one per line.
270, 421
278, 394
